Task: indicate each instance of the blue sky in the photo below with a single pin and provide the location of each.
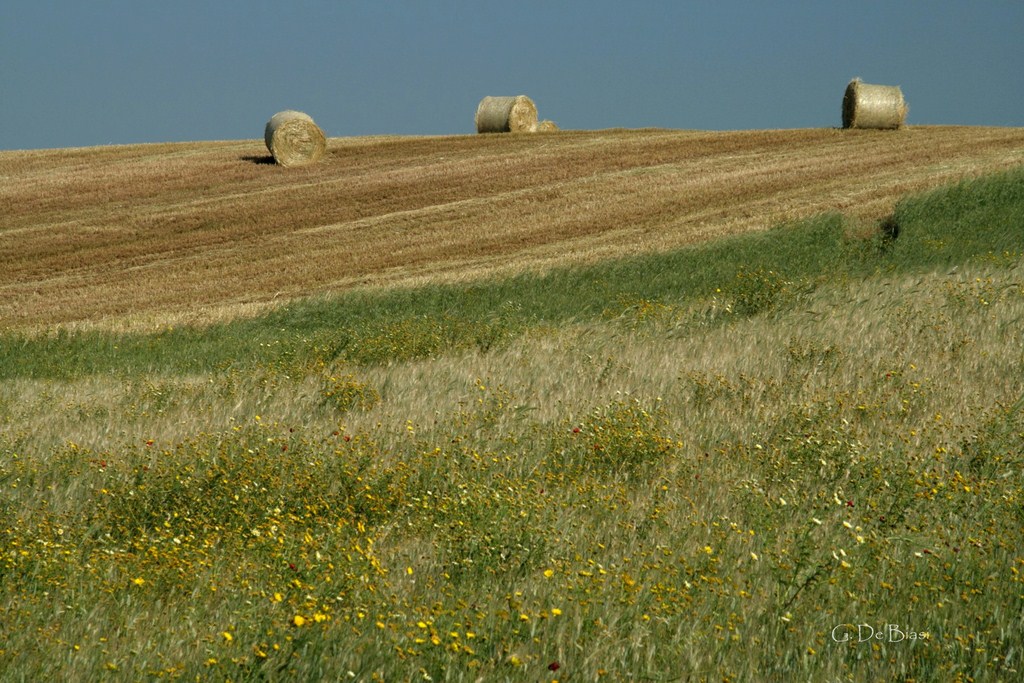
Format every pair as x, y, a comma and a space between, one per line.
81, 73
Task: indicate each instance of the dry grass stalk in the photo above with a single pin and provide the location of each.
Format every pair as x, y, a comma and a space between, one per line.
545, 126
506, 115
294, 139
873, 106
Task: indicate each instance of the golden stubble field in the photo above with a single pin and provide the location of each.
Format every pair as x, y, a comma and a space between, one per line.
144, 235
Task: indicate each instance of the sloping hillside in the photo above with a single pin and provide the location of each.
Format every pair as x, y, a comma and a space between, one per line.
146, 234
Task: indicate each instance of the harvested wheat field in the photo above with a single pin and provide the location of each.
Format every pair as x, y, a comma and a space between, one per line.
143, 235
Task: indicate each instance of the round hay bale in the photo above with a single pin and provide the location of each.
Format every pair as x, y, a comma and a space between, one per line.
506, 115
545, 126
873, 106
294, 139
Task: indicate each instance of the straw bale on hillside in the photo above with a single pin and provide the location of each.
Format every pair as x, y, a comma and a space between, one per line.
294, 139
506, 115
873, 106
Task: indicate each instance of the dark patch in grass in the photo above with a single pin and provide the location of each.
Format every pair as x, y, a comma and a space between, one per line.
260, 159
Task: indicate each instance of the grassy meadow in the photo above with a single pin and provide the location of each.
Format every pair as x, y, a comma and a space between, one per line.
788, 455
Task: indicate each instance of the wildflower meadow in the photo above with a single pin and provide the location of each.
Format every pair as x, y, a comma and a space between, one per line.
795, 455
